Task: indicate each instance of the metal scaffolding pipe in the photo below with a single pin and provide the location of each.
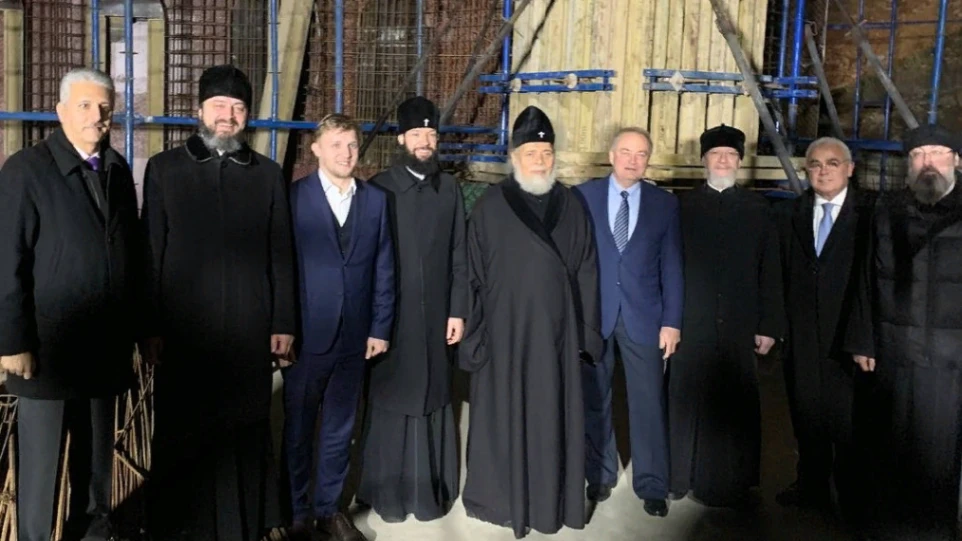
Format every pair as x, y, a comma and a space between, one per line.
95, 33
937, 63
339, 56
128, 81
420, 44
506, 71
783, 33
823, 82
275, 79
798, 39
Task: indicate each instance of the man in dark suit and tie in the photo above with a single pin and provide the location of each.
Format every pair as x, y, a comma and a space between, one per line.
638, 235
823, 233
345, 261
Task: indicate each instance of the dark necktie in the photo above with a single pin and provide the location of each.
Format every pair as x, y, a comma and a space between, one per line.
93, 162
621, 224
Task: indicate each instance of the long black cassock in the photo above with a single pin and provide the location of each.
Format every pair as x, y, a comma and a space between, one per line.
733, 291
221, 283
410, 441
534, 307
908, 316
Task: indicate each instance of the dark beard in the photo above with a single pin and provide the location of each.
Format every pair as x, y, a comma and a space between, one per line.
427, 167
928, 185
221, 143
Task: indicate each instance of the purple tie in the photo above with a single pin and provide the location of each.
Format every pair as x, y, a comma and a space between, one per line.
93, 162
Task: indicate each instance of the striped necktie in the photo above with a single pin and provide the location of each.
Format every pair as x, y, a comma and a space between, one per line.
620, 231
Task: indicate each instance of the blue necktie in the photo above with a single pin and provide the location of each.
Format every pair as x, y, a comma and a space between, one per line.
621, 224
824, 227
93, 162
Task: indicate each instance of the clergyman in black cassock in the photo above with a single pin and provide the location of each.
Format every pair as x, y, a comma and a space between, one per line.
223, 306
733, 310
823, 231
410, 452
534, 318
907, 331
71, 257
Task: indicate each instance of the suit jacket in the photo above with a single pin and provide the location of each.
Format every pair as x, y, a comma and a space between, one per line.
69, 271
351, 294
645, 282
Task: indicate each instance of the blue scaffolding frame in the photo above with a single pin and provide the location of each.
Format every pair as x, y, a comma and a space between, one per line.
789, 74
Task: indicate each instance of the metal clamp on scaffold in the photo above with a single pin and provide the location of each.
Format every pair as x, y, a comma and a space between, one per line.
702, 82
549, 81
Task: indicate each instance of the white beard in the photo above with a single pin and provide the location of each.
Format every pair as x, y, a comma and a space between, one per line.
721, 183
536, 184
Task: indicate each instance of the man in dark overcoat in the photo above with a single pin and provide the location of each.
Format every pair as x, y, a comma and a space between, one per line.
822, 233
222, 313
410, 446
70, 261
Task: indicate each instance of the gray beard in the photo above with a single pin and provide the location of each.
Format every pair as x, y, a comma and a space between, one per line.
536, 185
220, 143
721, 183
929, 185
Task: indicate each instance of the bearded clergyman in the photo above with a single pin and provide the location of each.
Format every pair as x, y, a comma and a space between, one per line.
907, 331
732, 312
533, 321
222, 313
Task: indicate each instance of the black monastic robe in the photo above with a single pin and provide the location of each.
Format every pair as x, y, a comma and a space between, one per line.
534, 309
733, 291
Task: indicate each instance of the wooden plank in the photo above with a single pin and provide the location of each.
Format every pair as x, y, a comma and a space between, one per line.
12, 79
484, 170
586, 101
609, 49
156, 29
552, 50
716, 104
690, 109
294, 21
572, 104
522, 54
745, 113
640, 43
662, 159
757, 59
659, 60
669, 113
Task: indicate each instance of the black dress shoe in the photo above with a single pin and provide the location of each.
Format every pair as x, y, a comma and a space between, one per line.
598, 493
339, 528
656, 508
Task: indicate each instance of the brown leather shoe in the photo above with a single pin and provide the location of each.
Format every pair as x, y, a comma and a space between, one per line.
339, 528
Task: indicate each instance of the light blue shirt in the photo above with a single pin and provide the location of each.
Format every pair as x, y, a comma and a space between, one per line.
614, 203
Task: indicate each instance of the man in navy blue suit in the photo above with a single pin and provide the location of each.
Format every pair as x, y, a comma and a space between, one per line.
345, 261
638, 234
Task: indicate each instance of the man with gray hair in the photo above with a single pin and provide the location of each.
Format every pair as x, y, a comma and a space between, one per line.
638, 237
823, 235
70, 260
907, 330
533, 318
732, 312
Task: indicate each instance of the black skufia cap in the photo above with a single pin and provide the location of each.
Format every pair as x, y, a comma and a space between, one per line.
532, 126
723, 136
225, 80
417, 112
930, 134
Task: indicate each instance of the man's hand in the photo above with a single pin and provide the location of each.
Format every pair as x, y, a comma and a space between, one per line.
867, 364
668, 340
286, 360
281, 344
455, 330
20, 364
375, 347
763, 344
151, 350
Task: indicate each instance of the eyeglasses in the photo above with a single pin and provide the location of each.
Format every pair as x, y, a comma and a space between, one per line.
935, 154
830, 165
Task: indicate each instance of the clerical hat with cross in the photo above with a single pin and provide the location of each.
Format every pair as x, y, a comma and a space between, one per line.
532, 126
417, 112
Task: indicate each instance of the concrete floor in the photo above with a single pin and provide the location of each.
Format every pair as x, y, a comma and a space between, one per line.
622, 517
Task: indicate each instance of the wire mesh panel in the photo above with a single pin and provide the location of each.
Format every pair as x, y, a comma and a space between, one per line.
381, 40
54, 39
205, 33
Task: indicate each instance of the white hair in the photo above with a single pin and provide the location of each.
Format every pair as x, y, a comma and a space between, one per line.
84, 75
824, 141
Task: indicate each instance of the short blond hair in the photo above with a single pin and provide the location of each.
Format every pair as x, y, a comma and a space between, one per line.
337, 122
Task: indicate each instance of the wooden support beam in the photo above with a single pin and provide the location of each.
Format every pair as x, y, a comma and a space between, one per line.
862, 41
12, 79
294, 20
823, 82
156, 61
728, 30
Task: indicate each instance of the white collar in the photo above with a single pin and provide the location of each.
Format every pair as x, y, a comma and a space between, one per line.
84, 156
419, 175
327, 185
838, 200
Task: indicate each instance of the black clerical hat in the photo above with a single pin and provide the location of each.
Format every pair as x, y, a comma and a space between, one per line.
930, 134
723, 136
417, 112
532, 126
226, 81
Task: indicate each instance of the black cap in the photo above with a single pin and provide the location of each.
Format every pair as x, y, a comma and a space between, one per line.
417, 112
225, 80
532, 126
723, 136
930, 134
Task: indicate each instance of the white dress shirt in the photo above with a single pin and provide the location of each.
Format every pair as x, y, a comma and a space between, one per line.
836, 202
84, 156
340, 202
